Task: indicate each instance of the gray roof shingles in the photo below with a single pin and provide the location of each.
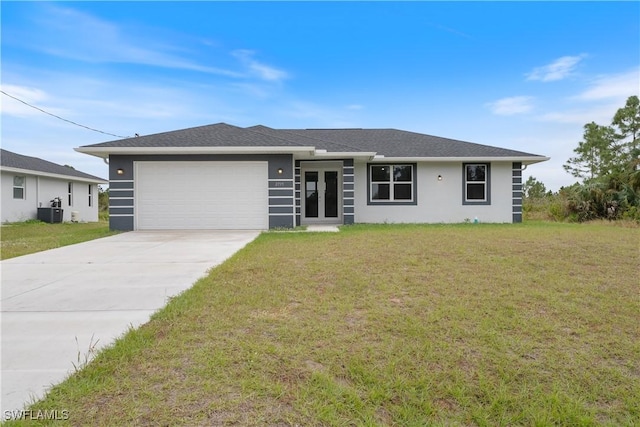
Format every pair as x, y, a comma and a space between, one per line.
18, 161
387, 142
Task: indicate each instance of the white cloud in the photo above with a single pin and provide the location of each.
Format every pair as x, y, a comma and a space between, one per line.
559, 69
354, 107
620, 86
262, 71
69, 33
599, 102
601, 114
28, 95
511, 105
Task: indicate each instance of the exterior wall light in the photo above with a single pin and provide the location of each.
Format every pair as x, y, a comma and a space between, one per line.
280, 171
439, 177
120, 171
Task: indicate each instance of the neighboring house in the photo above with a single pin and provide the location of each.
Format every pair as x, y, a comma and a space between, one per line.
29, 182
224, 177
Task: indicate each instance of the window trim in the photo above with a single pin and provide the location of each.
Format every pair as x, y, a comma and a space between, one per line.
390, 202
487, 184
90, 195
22, 187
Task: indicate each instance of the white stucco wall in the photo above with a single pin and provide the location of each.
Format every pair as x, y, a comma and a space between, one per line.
39, 191
439, 201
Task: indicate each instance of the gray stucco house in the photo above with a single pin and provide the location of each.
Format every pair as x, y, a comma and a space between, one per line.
30, 182
226, 177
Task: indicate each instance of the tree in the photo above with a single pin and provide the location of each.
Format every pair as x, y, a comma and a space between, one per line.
627, 120
597, 154
534, 189
608, 161
103, 199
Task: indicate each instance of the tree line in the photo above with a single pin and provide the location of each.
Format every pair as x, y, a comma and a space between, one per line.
607, 164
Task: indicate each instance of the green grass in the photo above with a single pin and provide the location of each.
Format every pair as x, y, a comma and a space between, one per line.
34, 236
531, 324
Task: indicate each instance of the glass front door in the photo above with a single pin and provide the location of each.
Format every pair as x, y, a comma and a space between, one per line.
321, 196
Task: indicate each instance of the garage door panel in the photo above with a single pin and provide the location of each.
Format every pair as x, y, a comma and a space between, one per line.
201, 195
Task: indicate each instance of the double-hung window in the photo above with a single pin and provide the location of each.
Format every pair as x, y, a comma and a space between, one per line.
19, 183
390, 183
476, 183
90, 195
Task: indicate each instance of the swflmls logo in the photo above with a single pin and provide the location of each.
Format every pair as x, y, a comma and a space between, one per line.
39, 415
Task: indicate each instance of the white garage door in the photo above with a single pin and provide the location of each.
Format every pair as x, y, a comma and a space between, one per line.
201, 195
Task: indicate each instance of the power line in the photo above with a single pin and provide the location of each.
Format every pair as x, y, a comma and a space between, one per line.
61, 118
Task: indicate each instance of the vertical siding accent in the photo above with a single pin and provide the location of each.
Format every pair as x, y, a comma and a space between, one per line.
348, 194
516, 185
296, 180
121, 197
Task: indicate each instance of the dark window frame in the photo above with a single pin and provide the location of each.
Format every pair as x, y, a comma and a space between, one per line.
486, 182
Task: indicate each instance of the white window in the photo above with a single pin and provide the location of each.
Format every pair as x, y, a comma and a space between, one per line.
70, 194
90, 195
476, 183
391, 183
19, 184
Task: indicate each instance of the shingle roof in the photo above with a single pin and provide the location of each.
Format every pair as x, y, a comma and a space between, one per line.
400, 143
217, 135
387, 142
18, 161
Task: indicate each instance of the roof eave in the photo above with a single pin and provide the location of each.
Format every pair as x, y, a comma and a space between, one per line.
105, 152
527, 160
54, 175
329, 155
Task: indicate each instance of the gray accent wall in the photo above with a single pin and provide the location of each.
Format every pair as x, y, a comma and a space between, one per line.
280, 185
297, 194
516, 189
348, 192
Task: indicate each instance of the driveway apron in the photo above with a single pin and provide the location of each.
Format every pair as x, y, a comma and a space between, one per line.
60, 304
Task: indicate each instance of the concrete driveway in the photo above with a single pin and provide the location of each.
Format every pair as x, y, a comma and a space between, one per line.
60, 302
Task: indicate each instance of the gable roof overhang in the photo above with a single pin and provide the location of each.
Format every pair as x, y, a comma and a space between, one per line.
52, 175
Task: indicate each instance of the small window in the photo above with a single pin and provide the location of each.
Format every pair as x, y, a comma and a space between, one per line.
391, 183
476, 183
19, 183
90, 195
70, 200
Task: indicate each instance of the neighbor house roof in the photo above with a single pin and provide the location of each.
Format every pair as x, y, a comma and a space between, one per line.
373, 143
17, 162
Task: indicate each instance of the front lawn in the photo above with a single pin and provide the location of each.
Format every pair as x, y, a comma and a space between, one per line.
24, 238
530, 324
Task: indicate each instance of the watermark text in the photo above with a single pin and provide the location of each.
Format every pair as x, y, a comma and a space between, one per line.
37, 415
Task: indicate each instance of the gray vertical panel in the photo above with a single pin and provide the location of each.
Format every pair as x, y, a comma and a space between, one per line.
280, 221
516, 193
121, 223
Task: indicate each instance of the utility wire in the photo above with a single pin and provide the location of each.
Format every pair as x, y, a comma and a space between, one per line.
63, 119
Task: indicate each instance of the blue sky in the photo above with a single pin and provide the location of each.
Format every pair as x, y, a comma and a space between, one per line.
526, 76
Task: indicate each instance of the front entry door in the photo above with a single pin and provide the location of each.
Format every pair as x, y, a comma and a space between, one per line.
321, 198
